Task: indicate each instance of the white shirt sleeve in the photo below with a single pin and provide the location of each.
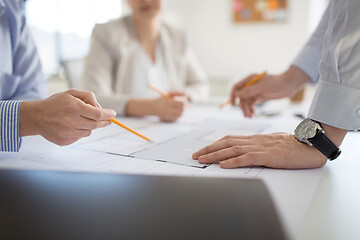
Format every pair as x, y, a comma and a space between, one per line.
337, 98
309, 57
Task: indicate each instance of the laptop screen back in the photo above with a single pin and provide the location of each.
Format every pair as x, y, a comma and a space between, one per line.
59, 205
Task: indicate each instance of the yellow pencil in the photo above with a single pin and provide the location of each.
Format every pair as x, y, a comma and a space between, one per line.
248, 84
165, 95
254, 80
224, 104
129, 129
113, 120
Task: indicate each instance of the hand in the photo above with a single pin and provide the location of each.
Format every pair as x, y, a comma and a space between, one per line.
268, 87
277, 150
168, 109
63, 118
181, 96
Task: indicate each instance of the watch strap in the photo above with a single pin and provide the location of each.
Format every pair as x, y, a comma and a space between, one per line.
327, 147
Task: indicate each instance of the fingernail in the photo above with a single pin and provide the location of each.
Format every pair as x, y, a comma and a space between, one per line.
114, 113
200, 159
224, 164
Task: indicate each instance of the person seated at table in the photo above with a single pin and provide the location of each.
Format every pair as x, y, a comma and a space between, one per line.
130, 53
62, 118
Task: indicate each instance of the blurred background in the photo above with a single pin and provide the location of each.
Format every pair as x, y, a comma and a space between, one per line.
227, 50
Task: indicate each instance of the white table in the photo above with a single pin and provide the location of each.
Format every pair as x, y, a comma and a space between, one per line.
335, 211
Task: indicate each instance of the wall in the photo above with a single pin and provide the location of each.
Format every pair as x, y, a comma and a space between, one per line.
227, 50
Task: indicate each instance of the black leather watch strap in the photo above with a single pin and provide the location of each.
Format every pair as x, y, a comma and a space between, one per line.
327, 147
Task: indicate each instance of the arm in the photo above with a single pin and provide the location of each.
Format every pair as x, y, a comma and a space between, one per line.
337, 98
309, 57
26, 62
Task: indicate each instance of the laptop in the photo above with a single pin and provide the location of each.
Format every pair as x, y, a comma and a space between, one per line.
66, 205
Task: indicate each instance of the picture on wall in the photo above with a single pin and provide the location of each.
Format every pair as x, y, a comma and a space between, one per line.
259, 11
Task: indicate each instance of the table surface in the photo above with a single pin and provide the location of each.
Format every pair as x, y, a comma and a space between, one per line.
335, 212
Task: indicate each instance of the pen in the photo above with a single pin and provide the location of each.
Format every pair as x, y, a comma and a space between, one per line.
248, 84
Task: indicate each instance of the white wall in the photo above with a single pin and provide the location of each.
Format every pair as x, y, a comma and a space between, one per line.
227, 50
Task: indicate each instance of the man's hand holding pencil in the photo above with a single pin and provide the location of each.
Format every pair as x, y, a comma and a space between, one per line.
262, 87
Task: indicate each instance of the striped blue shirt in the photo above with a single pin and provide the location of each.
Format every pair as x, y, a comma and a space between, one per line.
21, 75
9, 126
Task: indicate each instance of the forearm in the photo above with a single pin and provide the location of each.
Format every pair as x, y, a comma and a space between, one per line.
28, 123
296, 78
336, 135
140, 107
309, 57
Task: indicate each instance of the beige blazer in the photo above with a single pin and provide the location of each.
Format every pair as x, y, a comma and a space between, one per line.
109, 64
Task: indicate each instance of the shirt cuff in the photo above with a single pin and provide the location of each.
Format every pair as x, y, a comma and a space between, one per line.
9, 126
308, 60
336, 105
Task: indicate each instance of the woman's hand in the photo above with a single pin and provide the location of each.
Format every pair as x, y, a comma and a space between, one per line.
168, 109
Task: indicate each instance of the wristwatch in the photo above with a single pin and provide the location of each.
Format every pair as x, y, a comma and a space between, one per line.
311, 133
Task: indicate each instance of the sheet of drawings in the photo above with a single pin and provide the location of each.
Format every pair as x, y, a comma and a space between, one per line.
115, 150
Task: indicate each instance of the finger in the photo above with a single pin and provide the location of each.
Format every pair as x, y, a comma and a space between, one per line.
177, 105
89, 124
246, 160
216, 146
227, 153
238, 86
241, 139
94, 113
86, 96
246, 108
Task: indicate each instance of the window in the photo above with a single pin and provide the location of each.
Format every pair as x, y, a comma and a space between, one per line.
62, 28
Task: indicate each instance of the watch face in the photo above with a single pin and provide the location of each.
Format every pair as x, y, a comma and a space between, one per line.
307, 129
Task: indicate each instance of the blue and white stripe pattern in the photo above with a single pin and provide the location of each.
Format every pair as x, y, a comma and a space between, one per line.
9, 126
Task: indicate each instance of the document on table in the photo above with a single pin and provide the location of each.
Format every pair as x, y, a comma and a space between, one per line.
172, 142
178, 150
114, 150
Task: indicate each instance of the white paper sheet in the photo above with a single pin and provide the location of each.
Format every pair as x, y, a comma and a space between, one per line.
174, 144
